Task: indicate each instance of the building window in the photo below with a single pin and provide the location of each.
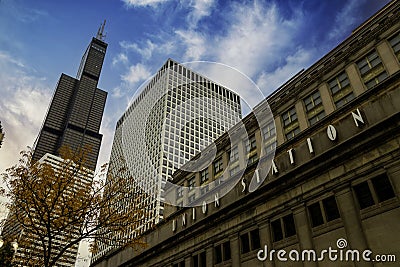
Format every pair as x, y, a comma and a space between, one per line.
222, 252
323, 211
373, 191
283, 228
314, 108
192, 183
204, 189
234, 170
253, 159
251, 144
395, 43
203, 259
180, 264
218, 166
269, 136
341, 90
179, 192
290, 123
255, 239
203, 176
234, 155
192, 198
371, 69
226, 248
250, 241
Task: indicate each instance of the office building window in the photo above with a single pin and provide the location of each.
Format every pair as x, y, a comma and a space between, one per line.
192, 183
255, 239
290, 123
289, 226
218, 167
234, 170
179, 192
179, 264
341, 90
269, 137
222, 252
253, 159
314, 108
371, 69
204, 189
203, 176
192, 198
251, 144
395, 43
323, 211
234, 154
373, 191
283, 227
250, 241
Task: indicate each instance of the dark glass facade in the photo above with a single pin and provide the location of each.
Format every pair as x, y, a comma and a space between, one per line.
76, 110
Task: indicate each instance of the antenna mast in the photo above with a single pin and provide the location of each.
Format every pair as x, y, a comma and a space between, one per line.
100, 33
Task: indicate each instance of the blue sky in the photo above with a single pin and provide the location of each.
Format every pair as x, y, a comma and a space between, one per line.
267, 40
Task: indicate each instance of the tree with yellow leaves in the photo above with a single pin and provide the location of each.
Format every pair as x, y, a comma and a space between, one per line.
57, 202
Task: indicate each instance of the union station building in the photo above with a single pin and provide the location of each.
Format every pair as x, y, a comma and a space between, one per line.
326, 168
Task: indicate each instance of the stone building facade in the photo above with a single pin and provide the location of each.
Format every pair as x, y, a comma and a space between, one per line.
334, 183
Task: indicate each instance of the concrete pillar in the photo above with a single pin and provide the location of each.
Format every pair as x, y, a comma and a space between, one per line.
394, 176
303, 231
266, 239
242, 155
280, 137
210, 256
327, 102
188, 261
355, 80
388, 58
351, 221
235, 251
301, 115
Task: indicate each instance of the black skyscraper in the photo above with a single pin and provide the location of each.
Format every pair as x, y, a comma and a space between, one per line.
76, 110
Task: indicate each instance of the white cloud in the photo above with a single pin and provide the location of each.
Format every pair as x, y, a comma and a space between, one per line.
257, 43
345, 19
148, 48
200, 9
257, 37
120, 58
135, 74
195, 42
143, 3
23, 104
145, 50
6, 58
270, 81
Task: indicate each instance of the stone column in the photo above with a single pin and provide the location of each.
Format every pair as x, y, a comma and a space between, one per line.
303, 231
235, 251
325, 92
188, 261
210, 256
351, 220
394, 177
266, 239
355, 79
388, 58
301, 115
280, 137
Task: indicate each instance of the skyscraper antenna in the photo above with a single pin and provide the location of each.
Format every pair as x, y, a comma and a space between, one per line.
100, 33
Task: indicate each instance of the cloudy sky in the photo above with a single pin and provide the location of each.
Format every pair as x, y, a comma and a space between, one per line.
267, 40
